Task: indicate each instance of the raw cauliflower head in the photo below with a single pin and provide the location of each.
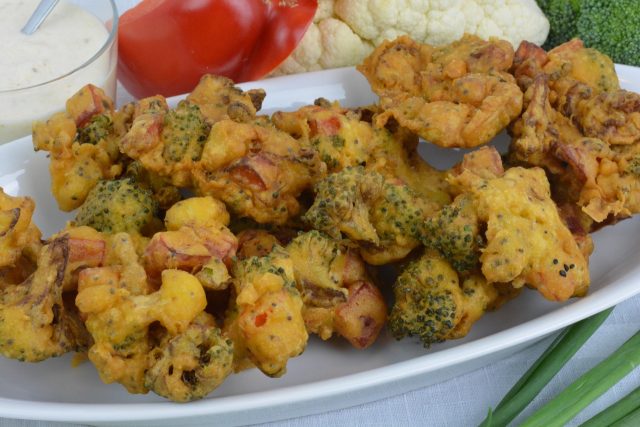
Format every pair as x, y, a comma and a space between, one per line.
344, 32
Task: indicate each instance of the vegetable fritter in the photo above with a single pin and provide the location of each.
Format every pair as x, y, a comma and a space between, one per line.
18, 234
265, 320
383, 217
33, 320
457, 95
83, 143
433, 303
257, 170
117, 206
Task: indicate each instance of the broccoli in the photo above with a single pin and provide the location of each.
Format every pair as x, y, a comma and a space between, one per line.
610, 26
98, 128
114, 206
454, 232
427, 300
562, 16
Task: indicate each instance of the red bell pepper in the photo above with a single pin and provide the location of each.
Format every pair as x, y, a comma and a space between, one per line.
165, 46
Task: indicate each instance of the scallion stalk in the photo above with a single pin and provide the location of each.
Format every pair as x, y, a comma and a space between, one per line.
544, 369
616, 412
588, 387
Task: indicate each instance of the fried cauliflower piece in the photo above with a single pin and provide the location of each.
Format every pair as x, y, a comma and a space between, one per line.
119, 205
35, 323
19, 236
265, 320
166, 142
526, 241
197, 240
119, 307
381, 216
83, 145
219, 99
457, 95
256, 170
434, 303
192, 364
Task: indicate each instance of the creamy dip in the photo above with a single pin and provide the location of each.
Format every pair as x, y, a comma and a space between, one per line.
67, 39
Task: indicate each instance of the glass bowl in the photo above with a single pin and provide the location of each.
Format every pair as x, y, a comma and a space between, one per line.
20, 107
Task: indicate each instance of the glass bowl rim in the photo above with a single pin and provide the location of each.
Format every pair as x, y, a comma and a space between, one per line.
110, 40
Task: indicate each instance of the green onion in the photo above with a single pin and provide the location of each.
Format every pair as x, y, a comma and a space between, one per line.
546, 367
588, 387
617, 411
631, 420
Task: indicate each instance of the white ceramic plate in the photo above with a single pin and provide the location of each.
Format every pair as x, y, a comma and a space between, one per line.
329, 375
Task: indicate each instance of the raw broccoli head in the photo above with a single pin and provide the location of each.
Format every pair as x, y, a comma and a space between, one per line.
610, 26
114, 206
613, 27
562, 16
427, 300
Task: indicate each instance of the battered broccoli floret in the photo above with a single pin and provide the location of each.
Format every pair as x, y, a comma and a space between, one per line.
98, 128
453, 232
610, 26
185, 132
427, 300
114, 206
613, 27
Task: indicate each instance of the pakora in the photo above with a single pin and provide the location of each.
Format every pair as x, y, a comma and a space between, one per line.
458, 95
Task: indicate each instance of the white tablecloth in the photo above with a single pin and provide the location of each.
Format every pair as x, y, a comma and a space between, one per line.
464, 401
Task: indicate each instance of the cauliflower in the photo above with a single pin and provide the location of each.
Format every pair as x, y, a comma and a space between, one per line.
344, 32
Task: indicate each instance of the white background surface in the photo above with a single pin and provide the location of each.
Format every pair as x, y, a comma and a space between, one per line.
464, 401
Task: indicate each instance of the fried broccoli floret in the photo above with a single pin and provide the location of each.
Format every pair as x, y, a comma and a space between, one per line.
381, 215
427, 297
99, 127
114, 206
454, 232
608, 26
433, 303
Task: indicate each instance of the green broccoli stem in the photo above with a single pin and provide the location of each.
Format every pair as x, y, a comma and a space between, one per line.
618, 411
588, 387
544, 369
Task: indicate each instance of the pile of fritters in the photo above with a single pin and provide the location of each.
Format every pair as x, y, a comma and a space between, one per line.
209, 238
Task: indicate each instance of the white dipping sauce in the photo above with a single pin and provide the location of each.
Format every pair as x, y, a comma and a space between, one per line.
67, 39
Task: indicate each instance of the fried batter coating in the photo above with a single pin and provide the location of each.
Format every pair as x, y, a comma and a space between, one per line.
166, 142
192, 364
34, 324
338, 295
83, 143
119, 307
435, 304
458, 95
381, 216
219, 99
596, 176
257, 170
265, 320
343, 138
526, 241
197, 240
119, 205
584, 88
18, 234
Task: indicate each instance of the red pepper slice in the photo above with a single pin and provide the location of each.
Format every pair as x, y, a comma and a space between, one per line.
165, 46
